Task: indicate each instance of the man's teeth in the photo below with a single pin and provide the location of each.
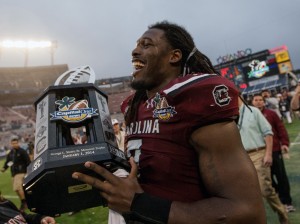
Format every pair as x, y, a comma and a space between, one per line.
138, 65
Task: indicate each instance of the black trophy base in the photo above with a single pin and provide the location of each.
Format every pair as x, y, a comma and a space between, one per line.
49, 187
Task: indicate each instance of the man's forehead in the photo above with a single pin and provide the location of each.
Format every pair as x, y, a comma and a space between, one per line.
152, 34
258, 97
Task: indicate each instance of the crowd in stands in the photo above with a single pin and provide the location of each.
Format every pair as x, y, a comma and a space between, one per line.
18, 122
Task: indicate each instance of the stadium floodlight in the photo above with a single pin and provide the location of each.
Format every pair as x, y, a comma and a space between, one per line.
25, 44
29, 44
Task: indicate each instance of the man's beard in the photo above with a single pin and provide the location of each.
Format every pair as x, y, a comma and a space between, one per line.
141, 85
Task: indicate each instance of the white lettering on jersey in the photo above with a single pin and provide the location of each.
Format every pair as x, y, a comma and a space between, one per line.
134, 149
143, 127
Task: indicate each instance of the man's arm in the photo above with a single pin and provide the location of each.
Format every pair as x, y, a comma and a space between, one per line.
229, 177
227, 173
39, 219
5, 166
266, 130
282, 133
268, 159
295, 99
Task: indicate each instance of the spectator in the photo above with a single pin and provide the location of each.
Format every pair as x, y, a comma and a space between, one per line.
31, 150
181, 132
256, 134
120, 135
18, 160
78, 135
10, 214
284, 107
272, 102
281, 142
296, 99
114, 217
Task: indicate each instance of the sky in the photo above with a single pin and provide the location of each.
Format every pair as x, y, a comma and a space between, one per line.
102, 33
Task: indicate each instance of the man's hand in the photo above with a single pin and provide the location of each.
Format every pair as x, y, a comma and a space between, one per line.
285, 151
268, 160
118, 192
48, 220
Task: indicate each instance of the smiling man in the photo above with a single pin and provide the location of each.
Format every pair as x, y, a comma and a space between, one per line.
188, 161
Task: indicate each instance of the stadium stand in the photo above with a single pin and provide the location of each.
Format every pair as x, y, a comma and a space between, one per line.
21, 85
18, 122
115, 100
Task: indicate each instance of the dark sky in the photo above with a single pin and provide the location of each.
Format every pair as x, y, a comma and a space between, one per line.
102, 33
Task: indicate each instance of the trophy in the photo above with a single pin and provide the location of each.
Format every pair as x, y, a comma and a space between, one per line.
73, 125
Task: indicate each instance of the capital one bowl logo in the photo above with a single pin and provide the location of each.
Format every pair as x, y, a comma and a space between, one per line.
258, 69
72, 111
163, 111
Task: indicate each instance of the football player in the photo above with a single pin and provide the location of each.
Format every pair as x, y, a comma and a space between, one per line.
188, 161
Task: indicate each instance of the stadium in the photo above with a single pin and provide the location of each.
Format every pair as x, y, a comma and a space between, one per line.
21, 87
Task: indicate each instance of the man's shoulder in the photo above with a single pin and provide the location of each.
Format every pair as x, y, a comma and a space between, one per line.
199, 83
269, 111
124, 103
122, 133
253, 110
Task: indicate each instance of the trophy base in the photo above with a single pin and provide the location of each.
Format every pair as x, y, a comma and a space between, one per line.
49, 187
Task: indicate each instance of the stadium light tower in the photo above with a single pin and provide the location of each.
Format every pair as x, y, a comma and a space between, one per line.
27, 45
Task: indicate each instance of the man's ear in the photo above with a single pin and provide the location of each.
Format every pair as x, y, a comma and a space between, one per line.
176, 56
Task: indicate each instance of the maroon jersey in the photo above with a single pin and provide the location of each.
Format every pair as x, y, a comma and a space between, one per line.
168, 164
280, 135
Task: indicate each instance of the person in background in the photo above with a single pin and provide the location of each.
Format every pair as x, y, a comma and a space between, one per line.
10, 214
18, 160
113, 216
285, 105
281, 142
295, 101
120, 135
78, 135
257, 138
272, 102
31, 150
188, 164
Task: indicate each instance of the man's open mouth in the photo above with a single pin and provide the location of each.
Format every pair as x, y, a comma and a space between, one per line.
137, 65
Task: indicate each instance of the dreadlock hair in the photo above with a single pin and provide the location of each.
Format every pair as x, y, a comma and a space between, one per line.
179, 38
192, 60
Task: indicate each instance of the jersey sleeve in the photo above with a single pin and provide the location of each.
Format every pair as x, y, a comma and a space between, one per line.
209, 100
124, 104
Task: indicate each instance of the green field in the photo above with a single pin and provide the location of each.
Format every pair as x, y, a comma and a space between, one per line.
100, 214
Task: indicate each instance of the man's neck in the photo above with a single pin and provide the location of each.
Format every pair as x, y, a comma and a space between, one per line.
151, 93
